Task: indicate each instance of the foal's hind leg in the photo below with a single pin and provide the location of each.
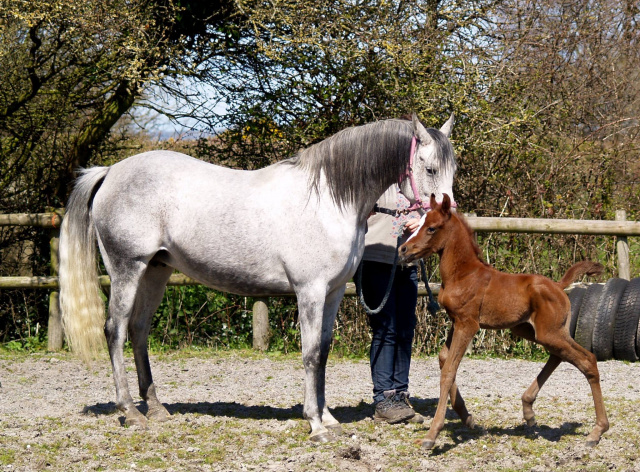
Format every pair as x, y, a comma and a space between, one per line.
565, 347
526, 331
530, 395
150, 293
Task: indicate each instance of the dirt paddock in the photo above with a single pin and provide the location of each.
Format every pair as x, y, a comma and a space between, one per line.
243, 411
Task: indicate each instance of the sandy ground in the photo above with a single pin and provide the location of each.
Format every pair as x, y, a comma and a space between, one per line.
243, 411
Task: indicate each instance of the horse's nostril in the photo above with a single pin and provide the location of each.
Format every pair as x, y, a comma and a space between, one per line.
403, 249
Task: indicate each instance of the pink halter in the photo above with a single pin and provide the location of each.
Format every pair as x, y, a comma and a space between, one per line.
409, 173
414, 188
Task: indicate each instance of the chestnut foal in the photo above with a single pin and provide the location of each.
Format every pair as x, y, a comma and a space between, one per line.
476, 295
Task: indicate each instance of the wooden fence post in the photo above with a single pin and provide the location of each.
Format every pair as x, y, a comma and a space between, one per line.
55, 334
261, 324
622, 246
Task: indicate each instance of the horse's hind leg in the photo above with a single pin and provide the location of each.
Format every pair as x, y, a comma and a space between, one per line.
150, 293
124, 284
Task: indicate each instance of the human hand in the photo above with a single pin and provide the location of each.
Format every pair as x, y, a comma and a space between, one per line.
412, 225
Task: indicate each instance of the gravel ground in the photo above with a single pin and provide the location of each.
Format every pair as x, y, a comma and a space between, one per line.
243, 411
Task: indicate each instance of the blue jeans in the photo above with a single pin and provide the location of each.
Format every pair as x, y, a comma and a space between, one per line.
393, 327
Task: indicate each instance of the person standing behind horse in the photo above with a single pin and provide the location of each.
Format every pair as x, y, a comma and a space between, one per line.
393, 327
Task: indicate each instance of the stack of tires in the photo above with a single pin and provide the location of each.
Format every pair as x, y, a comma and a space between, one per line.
605, 319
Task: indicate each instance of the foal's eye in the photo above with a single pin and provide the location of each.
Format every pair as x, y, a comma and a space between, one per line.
431, 230
431, 171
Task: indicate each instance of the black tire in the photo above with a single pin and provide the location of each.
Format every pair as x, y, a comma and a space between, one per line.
626, 331
602, 342
587, 316
575, 297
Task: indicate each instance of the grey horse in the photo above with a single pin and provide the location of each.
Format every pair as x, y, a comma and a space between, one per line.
295, 226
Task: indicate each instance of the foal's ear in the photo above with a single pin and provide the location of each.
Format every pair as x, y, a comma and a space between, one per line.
420, 131
446, 204
433, 201
448, 126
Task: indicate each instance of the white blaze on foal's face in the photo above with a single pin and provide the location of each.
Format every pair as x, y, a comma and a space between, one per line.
422, 220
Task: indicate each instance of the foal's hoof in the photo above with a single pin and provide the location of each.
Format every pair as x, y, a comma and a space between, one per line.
531, 422
469, 422
592, 442
159, 415
426, 443
323, 437
334, 428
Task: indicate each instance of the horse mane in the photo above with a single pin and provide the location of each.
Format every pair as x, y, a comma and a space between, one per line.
472, 236
356, 158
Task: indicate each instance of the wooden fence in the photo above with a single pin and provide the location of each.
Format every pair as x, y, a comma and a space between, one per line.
620, 228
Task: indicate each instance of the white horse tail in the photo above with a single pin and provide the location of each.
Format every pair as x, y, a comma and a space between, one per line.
81, 302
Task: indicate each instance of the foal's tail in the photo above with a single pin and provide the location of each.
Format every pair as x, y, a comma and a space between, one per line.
578, 270
80, 300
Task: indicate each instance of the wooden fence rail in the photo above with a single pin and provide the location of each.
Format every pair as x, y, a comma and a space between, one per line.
619, 228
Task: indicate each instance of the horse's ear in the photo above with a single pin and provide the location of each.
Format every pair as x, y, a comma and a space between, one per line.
420, 131
448, 126
446, 204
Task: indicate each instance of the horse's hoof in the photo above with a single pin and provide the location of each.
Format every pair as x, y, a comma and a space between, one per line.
334, 428
426, 443
324, 437
159, 415
136, 421
531, 422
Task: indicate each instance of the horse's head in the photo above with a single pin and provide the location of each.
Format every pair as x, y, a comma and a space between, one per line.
433, 165
431, 236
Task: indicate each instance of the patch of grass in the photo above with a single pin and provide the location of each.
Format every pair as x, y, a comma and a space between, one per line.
7, 456
153, 462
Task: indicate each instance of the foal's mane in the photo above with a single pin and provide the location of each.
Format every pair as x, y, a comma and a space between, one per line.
471, 236
375, 154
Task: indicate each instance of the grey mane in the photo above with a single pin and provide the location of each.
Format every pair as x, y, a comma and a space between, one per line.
373, 154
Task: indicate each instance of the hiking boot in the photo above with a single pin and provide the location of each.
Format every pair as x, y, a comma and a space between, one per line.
395, 408
417, 418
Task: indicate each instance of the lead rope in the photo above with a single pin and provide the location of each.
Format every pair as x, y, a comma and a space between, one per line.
387, 293
432, 306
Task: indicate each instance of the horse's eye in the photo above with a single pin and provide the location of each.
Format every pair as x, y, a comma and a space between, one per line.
431, 171
431, 230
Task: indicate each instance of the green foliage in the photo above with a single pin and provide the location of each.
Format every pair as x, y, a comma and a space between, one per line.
196, 315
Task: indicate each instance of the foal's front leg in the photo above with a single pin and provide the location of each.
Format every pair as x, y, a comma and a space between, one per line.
457, 402
462, 334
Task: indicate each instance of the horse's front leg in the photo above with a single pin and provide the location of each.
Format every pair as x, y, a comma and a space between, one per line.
332, 302
462, 334
315, 349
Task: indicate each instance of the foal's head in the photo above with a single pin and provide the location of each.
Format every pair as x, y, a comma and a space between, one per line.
432, 234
